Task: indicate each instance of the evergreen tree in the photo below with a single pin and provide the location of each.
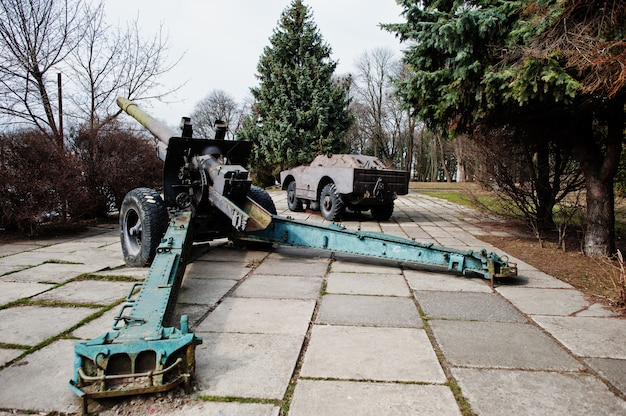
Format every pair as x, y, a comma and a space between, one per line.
549, 71
299, 110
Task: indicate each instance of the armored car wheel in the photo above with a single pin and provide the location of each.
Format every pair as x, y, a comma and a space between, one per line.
293, 202
143, 221
382, 212
331, 204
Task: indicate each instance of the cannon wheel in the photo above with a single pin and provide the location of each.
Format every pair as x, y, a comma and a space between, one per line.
143, 221
293, 202
331, 205
382, 212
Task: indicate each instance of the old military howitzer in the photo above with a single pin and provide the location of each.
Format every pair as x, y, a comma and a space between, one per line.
207, 194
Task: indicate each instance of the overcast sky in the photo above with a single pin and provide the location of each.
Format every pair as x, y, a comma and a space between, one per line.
223, 39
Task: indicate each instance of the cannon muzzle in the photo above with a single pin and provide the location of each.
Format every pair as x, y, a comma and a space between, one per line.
158, 129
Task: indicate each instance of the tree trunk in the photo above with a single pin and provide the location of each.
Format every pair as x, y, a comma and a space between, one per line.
600, 163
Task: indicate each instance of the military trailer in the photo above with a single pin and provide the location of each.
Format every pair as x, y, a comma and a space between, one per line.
334, 183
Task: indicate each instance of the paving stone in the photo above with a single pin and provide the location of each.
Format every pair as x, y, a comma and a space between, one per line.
98, 326
14, 248
195, 314
293, 267
369, 311
597, 310
98, 292
500, 345
538, 301
232, 254
49, 273
246, 365
351, 264
425, 280
320, 397
468, 306
535, 278
97, 259
611, 369
7, 355
367, 284
204, 291
217, 270
203, 408
280, 287
30, 325
497, 392
362, 353
39, 382
138, 273
588, 337
267, 316
11, 291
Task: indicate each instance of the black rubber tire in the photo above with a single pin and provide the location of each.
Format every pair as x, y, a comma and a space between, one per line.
143, 222
331, 204
261, 197
382, 212
293, 203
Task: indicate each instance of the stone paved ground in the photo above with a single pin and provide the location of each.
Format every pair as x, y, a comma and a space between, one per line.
306, 333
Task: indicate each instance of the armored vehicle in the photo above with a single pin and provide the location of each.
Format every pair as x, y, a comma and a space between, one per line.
332, 183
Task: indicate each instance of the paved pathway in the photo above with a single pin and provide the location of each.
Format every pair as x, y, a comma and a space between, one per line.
322, 335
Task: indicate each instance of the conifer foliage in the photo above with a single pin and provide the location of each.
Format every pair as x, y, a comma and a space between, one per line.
299, 110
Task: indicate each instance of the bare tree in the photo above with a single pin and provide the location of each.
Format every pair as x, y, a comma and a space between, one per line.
112, 62
35, 37
374, 92
217, 105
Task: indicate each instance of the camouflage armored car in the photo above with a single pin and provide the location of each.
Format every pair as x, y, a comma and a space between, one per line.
334, 183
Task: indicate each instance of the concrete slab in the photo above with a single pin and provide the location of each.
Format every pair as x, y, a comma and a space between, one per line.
138, 273
588, 337
203, 408
538, 301
38, 383
204, 291
611, 369
71, 246
266, 316
280, 287
30, 325
232, 254
500, 345
293, 267
497, 392
14, 248
49, 273
195, 314
9, 269
95, 292
321, 397
597, 310
536, 278
425, 280
7, 355
369, 311
362, 353
11, 291
233, 270
468, 306
299, 252
98, 326
26, 259
246, 365
350, 264
98, 259
367, 284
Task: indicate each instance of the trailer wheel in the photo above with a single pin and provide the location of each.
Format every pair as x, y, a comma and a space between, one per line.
143, 221
382, 212
331, 204
293, 202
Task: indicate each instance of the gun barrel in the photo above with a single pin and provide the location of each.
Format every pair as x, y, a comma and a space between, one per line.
158, 129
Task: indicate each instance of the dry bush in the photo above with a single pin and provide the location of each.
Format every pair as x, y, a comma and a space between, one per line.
39, 182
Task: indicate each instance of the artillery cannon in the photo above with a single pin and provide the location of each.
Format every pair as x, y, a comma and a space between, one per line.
207, 194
